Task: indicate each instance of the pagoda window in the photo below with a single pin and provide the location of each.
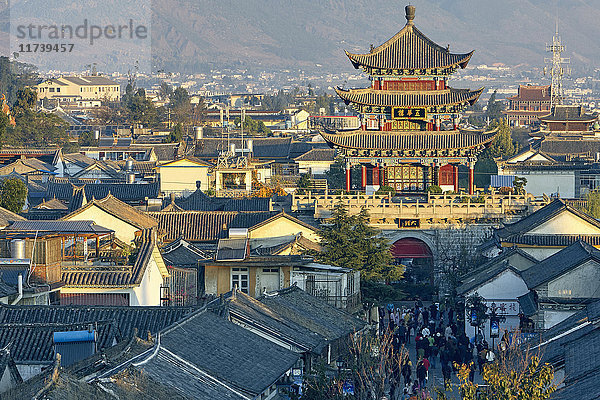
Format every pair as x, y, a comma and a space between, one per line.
372, 122
405, 178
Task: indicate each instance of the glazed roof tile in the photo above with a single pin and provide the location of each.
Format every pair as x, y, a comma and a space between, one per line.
409, 49
410, 140
370, 96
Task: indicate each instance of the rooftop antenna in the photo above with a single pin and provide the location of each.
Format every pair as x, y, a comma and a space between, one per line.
557, 68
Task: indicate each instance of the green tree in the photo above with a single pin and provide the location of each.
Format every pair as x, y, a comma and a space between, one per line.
303, 183
13, 193
348, 241
503, 145
253, 127
138, 108
336, 176
592, 206
34, 128
26, 100
87, 139
494, 108
517, 373
181, 107
165, 91
15, 76
176, 134
3, 126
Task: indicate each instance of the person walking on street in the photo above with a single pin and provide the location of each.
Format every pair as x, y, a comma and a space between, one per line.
421, 374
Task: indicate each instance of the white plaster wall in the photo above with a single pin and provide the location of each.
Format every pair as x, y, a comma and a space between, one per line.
541, 253
552, 318
506, 286
28, 371
566, 223
123, 230
177, 179
148, 293
539, 183
582, 282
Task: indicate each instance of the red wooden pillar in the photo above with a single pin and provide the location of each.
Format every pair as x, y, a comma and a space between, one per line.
348, 178
455, 168
363, 176
471, 176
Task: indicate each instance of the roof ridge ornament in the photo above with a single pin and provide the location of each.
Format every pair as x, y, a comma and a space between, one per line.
410, 14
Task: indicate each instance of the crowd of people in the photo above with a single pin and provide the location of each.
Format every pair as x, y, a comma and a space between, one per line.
437, 341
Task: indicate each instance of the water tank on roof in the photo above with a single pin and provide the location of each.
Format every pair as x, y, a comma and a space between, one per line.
129, 164
250, 145
17, 248
238, 233
232, 148
198, 132
130, 177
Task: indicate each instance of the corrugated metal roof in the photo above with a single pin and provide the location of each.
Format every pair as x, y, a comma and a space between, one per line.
497, 181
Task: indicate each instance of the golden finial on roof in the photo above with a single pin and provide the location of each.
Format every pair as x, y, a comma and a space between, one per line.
410, 14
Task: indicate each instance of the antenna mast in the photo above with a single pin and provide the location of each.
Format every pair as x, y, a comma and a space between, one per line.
557, 71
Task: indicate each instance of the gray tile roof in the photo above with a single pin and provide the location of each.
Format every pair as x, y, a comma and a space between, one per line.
198, 201
205, 226
228, 352
182, 254
59, 227
317, 155
560, 263
131, 193
33, 341
119, 209
312, 313
171, 371
491, 269
111, 275
542, 215
126, 319
252, 312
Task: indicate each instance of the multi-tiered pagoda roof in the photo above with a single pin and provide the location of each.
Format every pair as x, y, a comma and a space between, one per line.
409, 136
409, 72
408, 50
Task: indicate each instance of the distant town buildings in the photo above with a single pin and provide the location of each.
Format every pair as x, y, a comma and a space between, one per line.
528, 105
82, 90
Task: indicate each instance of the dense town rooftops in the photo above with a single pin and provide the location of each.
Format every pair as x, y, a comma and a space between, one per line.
371, 96
409, 49
118, 209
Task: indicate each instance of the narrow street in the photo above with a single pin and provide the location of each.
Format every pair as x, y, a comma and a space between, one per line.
435, 378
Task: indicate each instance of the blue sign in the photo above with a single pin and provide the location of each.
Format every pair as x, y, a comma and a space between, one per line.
348, 387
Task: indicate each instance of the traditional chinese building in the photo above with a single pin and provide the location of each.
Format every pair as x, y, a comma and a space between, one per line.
531, 103
409, 136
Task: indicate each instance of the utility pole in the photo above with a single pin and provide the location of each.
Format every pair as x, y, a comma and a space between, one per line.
557, 70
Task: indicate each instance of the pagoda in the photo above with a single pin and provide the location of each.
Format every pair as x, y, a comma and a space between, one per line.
409, 136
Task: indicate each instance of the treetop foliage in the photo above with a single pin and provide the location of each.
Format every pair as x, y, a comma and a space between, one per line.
13, 193
348, 241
